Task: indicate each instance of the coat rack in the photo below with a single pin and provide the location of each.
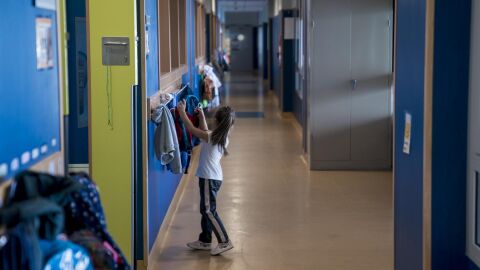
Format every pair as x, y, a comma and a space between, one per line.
154, 101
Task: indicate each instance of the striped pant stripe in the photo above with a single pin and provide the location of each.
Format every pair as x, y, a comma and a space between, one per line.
213, 220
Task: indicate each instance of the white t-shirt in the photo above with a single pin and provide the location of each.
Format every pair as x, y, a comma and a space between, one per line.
209, 166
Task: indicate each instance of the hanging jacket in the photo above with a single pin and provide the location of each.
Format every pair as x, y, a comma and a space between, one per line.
207, 89
193, 103
102, 258
22, 250
186, 140
184, 94
46, 215
165, 139
64, 255
32, 215
202, 87
28, 185
85, 212
38, 197
212, 76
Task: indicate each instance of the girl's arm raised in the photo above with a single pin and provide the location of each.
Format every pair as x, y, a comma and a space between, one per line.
202, 134
203, 122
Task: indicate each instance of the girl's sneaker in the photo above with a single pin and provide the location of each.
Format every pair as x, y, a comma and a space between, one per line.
221, 248
199, 245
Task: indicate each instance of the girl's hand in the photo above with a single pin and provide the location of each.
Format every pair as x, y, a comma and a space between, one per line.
181, 106
200, 112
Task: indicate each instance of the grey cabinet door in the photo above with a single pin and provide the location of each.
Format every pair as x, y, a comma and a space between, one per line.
330, 75
371, 65
350, 95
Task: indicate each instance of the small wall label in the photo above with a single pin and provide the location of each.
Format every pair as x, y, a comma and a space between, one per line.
44, 43
3, 170
46, 4
14, 165
289, 28
407, 134
35, 153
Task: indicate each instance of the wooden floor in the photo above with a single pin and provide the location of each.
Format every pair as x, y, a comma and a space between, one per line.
279, 214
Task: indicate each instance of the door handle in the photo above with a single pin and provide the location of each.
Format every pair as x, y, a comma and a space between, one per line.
354, 84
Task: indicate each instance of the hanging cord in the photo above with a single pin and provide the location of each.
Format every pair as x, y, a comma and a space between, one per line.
109, 88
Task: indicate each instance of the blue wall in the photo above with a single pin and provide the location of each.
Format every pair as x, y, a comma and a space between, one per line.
162, 184
449, 143
271, 53
472, 266
298, 108
78, 137
449, 134
409, 168
265, 50
208, 17
288, 68
152, 83
283, 81
276, 32
30, 98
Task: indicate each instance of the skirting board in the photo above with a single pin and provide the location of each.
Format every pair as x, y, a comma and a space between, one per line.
52, 165
79, 168
350, 165
298, 127
140, 265
172, 209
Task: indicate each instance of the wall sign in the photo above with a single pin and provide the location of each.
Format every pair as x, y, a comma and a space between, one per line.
408, 133
3, 170
46, 4
147, 34
44, 43
289, 28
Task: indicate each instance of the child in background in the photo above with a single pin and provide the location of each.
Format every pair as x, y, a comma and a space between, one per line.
214, 147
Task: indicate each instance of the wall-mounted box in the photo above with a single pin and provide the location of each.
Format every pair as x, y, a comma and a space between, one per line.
115, 51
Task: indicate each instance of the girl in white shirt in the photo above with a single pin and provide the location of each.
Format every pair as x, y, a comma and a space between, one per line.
214, 147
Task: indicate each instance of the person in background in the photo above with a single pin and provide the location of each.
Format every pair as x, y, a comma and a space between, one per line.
213, 147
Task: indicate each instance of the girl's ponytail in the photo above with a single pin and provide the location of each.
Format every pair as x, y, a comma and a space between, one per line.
225, 118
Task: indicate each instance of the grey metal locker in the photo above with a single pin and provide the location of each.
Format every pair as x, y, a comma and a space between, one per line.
350, 87
473, 171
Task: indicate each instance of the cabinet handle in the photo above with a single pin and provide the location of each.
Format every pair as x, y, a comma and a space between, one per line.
354, 84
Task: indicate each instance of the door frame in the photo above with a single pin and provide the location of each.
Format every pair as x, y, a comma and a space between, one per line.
473, 249
307, 28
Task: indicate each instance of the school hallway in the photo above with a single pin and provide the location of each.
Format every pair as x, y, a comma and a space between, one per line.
353, 132
279, 214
